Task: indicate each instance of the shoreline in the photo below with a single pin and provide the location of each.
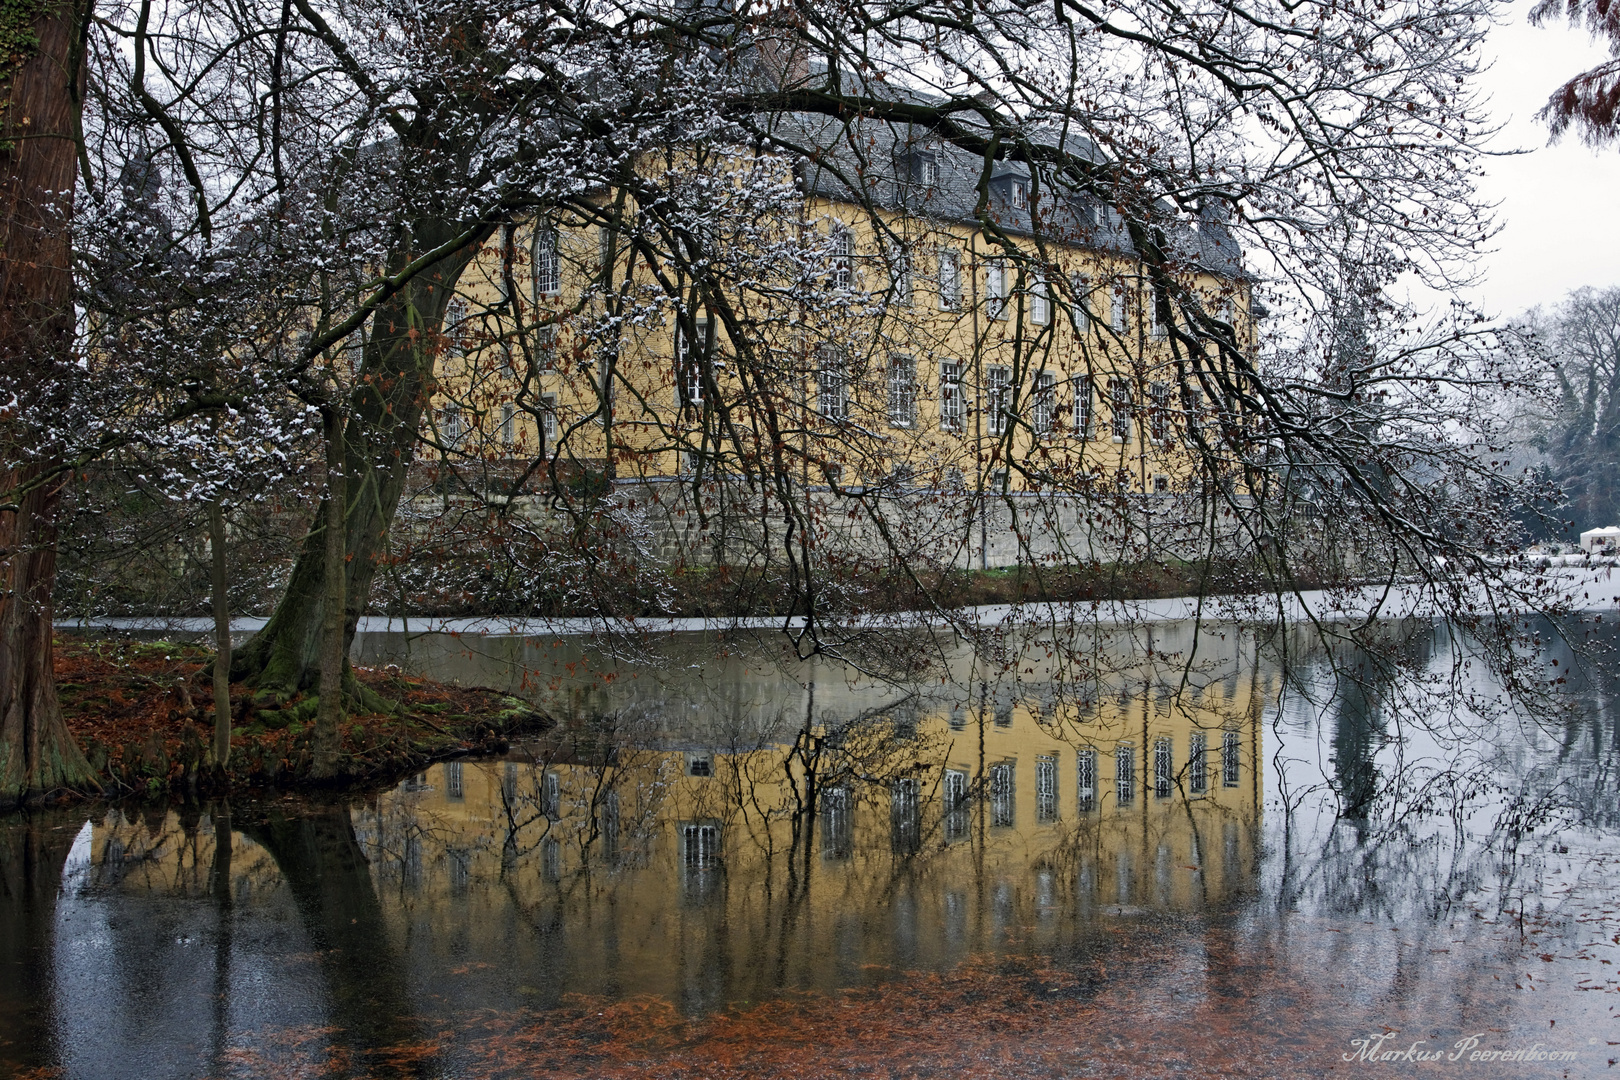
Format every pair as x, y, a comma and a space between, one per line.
142, 713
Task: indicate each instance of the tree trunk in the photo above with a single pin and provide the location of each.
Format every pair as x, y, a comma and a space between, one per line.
385, 418
334, 641
222, 639
37, 170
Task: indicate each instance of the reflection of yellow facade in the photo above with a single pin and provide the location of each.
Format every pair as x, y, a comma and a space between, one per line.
692, 869
905, 341
667, 858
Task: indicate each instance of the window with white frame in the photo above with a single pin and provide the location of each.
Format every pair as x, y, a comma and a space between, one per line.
1124, 774
956, 804
551, 859
548, 422
837, 823
1160, 329
545, 346
544, 263
950, 279
1080, 312
1197, 771
1084, 398
691, 358
1043, 403
1159, 418
1119, 402
550, 795
453, 780
1046, 790
995, 288
1117, 307
1020, 194
605, 246
997, 397
1085, 779
925, 167
1161, 484
841, 271
700, 846
902, 391
1164, 768
452, 428
1001, 795
1040, 303
508, 423
456, 329
905, 818
832, 383
900, 276
950, 396
1231, 759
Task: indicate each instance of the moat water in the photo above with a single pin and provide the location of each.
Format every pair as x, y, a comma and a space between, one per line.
1161, 853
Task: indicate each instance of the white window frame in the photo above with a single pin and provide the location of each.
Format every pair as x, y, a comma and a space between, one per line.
950, 279
1040, 303
1124, 774
1046, 789
1085, 405
1231, 759
689, 363
900, 283
1020, 194
548, 421
1164, 767
1043, 402
832, 383
952, 414
902, 390
841, 260
508, 423
545, 264
1118, 308
700, 845
1120, 406
1003, 795
1080, 311
1159, 413
997, 397
1085, 779
451, 427
995, 288
1197, 763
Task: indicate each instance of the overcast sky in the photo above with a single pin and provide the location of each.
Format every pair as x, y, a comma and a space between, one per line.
1559, 205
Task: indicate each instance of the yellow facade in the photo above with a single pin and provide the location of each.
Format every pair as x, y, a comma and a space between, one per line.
836, 345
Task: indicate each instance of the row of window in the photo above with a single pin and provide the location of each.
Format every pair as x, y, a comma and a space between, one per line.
1045, 407
1000, 278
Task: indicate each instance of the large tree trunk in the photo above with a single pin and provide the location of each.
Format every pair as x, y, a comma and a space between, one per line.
37, 170
385, 418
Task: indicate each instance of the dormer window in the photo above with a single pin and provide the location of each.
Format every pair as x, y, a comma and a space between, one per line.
1020, 195
925, 168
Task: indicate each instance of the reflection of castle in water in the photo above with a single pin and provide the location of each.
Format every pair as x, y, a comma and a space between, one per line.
906, 839
726, 853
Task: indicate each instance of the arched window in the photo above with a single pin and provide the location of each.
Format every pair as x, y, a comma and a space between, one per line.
547, 270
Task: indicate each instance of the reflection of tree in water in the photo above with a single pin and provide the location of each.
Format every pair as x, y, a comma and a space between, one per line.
321, 861
34, 847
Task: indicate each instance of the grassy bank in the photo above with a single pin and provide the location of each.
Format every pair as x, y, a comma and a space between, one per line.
143, 713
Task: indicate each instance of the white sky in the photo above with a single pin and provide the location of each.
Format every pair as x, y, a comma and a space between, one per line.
1559, 205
